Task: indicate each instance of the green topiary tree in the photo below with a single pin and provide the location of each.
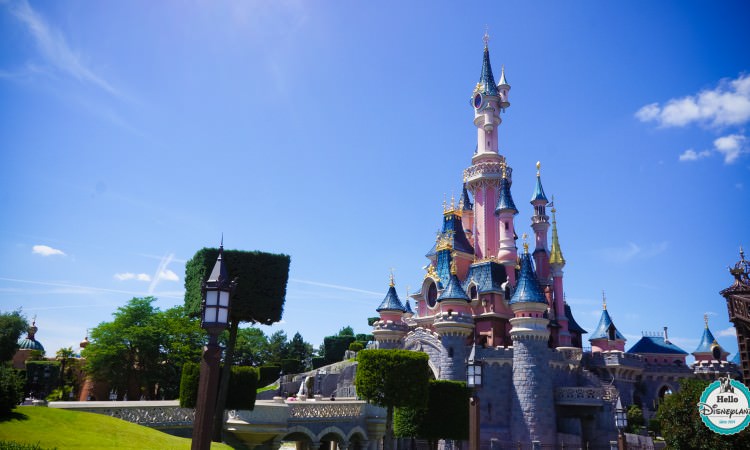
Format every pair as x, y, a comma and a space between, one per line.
243, 386
189, 385
11, 390
392, 378
356, 346
259, 298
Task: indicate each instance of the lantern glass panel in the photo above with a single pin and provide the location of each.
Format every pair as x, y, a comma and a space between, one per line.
212, 297
224, 298
210, 315
223, 312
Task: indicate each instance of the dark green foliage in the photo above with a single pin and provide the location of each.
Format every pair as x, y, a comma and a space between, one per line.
268, 374
42, 377
290, 366
12, 325
393, 377
372, 320
346, 331
243, 385
635, 419
682, 427
356, 346
300, 350
13, 445
445, 417
189, 385
261, 283
251, 347
11, 390
365, 338
654, 426
334, 347
318, 362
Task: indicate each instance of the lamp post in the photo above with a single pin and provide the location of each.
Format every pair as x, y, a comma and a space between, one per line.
214, 319
474, 381
621, 421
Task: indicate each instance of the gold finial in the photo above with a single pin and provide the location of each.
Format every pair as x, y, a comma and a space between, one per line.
538, 168
604, 300
453, 201
393, 283
505, 175
445, 203
525, 244
454, 268
705, 319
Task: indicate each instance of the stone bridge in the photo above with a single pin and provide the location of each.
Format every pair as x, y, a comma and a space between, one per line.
346, 424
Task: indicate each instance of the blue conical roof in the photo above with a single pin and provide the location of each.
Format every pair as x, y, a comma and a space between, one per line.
572, 324
538, 190
486, 79
453, 291
707, 340
602, 330
407, 307
504, 199
656, 344
465, 201
391, 302
527, 288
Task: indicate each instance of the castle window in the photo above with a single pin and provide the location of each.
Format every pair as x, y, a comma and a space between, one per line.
450, 352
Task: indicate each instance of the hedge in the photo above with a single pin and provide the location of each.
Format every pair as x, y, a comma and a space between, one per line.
243, 385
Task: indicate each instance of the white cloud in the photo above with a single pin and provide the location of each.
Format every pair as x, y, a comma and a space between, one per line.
730, 146
54, 48
692, 155
45, 250
132, 276
728, 332
727, 104
168, 275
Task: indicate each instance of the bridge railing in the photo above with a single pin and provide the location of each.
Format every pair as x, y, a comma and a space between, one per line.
166, 413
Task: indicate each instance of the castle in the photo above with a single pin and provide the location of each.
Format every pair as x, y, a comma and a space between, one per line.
484, 300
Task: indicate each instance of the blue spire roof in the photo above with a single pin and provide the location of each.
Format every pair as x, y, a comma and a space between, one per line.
465, 201
572, 324
505, 200
488, 276
538, 190
602, 330
486, 79
391, 302
527, 288
707, 340
453, 291
407, 307
656, 344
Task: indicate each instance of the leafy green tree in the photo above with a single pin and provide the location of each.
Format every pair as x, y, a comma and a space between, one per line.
681, 424
143, 347
446, 415
301, 351
635, 418
278, 348
258, 298
251, 347
390, 379
346, 331
12, 324
11, 390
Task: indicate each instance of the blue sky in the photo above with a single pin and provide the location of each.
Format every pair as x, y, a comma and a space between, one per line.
132, 134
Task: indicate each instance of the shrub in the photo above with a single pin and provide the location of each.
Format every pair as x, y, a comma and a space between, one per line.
11, 390
290, 366
189, 385
356, 346
243, 386
318, 362
268, 374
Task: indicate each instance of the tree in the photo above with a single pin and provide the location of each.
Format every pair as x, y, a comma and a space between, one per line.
251, 347
278, 348
143, 347
300, 350
12, 324
635, 419
392, 378
681, 424
11, 390
446, 415
258, 298
65, 356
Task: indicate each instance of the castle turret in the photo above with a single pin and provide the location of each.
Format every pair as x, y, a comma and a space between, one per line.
540, 225
708, 349
506, 211
533, 409
556, 263
606, 337
390, 329
454, 324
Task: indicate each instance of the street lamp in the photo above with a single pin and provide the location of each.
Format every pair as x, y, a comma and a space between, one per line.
621, 421
474, 381
214, 319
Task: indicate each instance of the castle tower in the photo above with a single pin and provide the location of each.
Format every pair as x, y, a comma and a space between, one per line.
556, 264
390, 329
482, 178
467, 213
506, 211
533, 409
606, 337
709, 350
540, 225
454, 324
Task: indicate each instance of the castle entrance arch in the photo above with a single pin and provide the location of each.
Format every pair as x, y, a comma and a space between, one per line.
421, 340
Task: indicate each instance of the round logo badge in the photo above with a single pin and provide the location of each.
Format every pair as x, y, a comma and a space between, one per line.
725, 406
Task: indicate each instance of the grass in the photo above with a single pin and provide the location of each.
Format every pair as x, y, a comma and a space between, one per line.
63, 429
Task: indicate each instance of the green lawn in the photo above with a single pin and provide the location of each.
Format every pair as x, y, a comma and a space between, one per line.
62, 429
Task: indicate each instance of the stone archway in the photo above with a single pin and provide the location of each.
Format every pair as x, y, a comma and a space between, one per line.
332, 438
421, 340
303, 438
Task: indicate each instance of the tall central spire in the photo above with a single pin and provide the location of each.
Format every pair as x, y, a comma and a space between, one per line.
486, 78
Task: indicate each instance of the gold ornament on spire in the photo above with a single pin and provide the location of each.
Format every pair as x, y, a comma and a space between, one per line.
705, 319
538, 168
525, 244
486, 37
454, 268
604, 300
392, 283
